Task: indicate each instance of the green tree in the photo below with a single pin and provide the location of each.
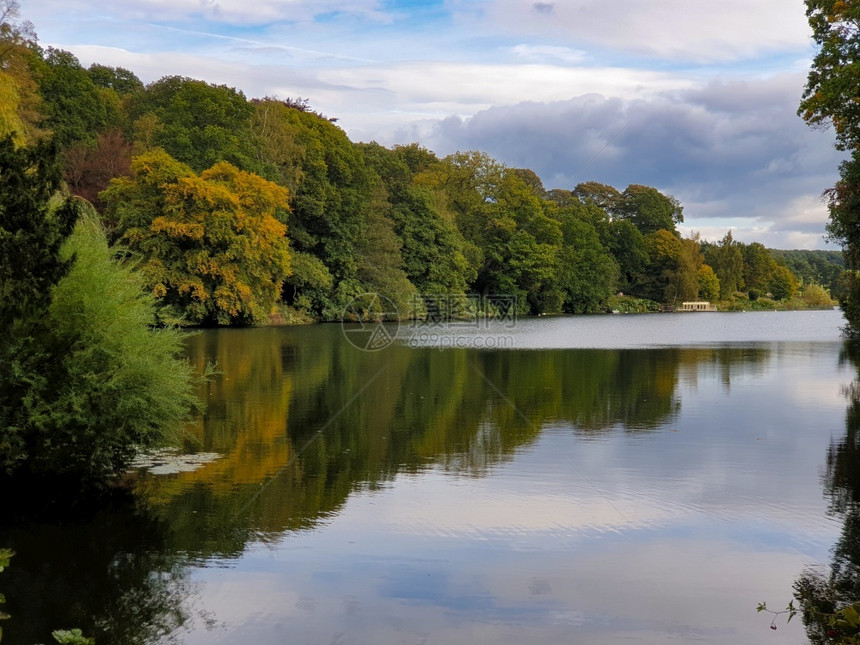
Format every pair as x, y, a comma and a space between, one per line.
465, 184
434, 251
709, 284
813, 266
73, 107
672, 275
380, 265
31, 235
197, 123
433, 248
689, 263
530, 178
332, 192
212, 245
510, 239
783, 284
19, 94
31, 232
10, 121
588, 273
727, 262
118, 79
279, 147
117, 385
520, 245
310, 283
843, 202
630, 249
833, 84
814, 295
649, 209
416, 157
759, 267
602, 195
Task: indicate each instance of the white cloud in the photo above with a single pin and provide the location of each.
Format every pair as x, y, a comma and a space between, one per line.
440, 89
374, 101
253, 80
549, 52
688, 30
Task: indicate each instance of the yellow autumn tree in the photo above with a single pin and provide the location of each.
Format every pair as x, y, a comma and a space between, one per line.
213, 246
19, 94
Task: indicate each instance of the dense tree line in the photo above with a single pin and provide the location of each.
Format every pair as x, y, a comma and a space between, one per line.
819, 267
237, 209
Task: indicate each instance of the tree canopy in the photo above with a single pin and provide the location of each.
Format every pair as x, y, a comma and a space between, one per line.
212, 245
197, 123
649, 210
833, 84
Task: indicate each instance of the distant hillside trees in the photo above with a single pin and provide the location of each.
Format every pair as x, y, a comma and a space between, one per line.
813, 267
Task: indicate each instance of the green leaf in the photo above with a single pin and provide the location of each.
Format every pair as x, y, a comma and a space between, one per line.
72, 637
5, 557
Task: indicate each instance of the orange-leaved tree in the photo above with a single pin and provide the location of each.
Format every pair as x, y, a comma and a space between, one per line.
213, 246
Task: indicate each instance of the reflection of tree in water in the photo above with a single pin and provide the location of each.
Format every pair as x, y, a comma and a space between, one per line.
821, 594
295, 444
103, 568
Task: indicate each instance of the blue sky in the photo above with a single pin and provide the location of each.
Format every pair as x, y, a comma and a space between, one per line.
696, 98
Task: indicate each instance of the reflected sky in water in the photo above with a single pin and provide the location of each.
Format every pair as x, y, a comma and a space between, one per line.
625, 331
574, 495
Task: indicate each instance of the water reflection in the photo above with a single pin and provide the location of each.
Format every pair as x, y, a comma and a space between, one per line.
302, 419
519, 458
107, 569
822, 593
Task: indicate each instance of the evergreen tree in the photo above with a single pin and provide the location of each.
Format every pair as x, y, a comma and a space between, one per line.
31, 235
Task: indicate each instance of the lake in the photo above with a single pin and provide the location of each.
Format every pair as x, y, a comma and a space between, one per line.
597, 479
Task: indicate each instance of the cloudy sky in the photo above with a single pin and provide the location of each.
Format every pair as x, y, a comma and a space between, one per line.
696, 98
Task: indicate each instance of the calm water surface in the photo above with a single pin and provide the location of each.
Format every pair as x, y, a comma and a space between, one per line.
561, 480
